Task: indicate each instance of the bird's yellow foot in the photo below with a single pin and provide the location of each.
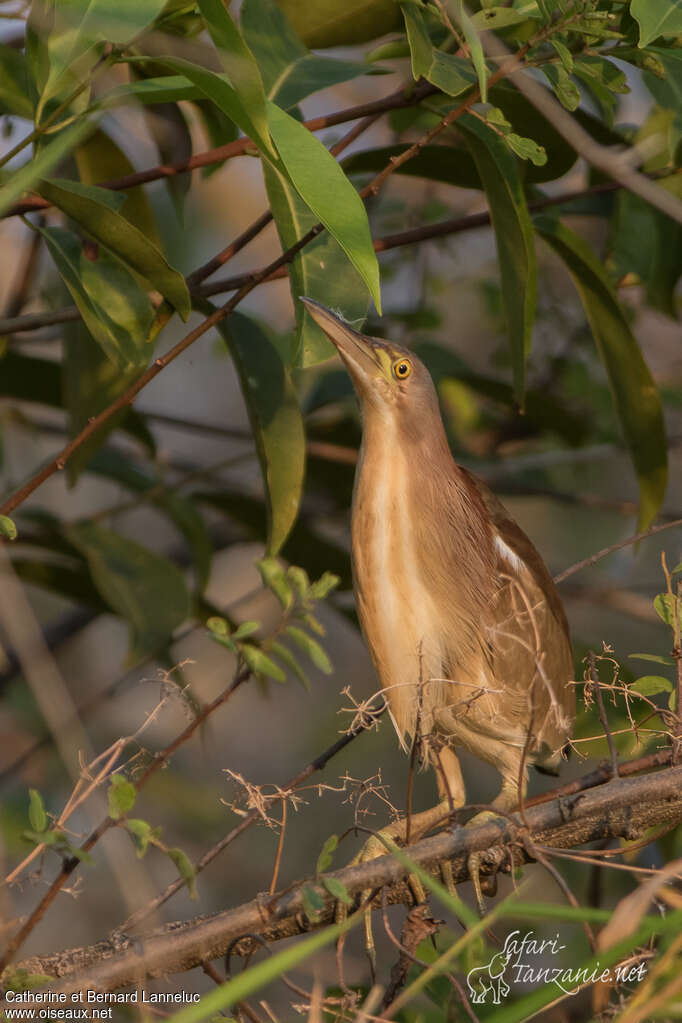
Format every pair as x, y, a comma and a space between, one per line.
373, 848
475, 860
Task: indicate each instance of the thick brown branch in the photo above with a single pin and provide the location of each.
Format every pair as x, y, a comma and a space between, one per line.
624, 807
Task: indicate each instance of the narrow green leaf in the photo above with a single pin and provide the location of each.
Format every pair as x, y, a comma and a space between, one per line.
276, 422
185, 870
121, 795
527, 149
8, 529
287, 658
450, 73
289, 71
150, 91
115, 309
475, 48
636, 397
657, 658
664, 605
121, 237
36, 811
15, 95
565, 55
317, 178
56, 150
260, 663
275, 579
651, 685
513, 235
298, 577
321, 271
337, 889
245, 629
311, 647
324, 860
22, 980
241, 68
323, 586
657, 18
145, 589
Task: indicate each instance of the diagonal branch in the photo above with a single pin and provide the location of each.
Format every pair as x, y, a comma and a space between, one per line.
624, 807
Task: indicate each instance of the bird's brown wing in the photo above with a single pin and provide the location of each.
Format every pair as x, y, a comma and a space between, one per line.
529, 636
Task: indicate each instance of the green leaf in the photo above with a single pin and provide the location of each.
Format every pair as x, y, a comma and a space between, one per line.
337, 889
565, 89
241, 68
475, 49
245, 629
645, 242
565, 55
98, 159
492, 18
115, 309
185, 870
668, 661
324, 585
664, 605
298, 577
451, 74
83, 24
289, 71
145, 589
275, 579
313, 903
21, 980
15, 97
311, 647
36, 811
527, 149
90, 380
121, 795
324, 860
317, 178
657, 18
288, 659
8, 529
514, 237
651, 685
276, 422
215, 88
636, 397
328, 23
182, 512
142, 834
150, 91
260, 663
56, 150
321, 271
121, 237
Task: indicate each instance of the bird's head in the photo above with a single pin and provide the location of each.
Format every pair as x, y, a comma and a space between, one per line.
387, 377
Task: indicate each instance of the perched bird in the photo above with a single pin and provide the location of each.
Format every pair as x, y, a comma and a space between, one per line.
462, 619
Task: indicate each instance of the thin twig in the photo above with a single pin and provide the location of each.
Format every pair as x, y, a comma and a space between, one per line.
605, 551
593, 676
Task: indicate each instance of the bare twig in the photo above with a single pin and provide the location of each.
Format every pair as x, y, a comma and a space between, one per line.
605, 551
593, 677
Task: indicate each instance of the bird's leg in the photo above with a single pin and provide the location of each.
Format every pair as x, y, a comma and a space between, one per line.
507, 799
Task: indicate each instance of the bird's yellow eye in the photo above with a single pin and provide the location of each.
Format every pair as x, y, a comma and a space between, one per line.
402, 369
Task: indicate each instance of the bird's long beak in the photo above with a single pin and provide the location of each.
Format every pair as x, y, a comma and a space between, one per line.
360, 353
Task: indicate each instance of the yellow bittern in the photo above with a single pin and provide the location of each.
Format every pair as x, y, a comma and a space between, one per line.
464, 624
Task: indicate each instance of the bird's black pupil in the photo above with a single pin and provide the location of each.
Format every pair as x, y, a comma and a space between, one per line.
402, 369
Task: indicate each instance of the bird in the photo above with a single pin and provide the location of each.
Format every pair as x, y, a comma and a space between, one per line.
463, 622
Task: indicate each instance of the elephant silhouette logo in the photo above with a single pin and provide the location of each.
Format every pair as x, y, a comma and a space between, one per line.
489, 979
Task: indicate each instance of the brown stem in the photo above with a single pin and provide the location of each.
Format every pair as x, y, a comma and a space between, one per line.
394, 101
593, 676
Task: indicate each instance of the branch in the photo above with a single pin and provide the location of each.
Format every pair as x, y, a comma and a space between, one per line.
404, 97
623, 808
454, 225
